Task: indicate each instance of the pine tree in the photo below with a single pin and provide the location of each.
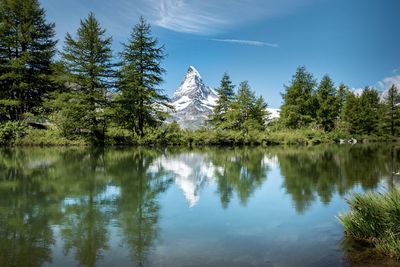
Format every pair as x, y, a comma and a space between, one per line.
392, 111
341, 97
89, 70
351, 113
370, 106
225, 97
140, 102
361, 113
260, 114
327, 111
27, 46
298, 109
247, 112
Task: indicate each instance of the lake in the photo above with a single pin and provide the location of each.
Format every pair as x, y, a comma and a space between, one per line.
273, 206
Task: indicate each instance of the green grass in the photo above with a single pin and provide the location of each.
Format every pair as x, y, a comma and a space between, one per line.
17, 133
375, 217
48, 137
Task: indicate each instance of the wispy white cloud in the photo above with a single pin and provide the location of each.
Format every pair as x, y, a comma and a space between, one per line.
387, 82
189, 16
211, 16
246, 42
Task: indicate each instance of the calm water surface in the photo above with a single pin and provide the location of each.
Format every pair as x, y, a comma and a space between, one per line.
180, 207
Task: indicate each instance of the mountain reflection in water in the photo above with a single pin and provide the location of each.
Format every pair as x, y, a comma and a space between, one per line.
243, 206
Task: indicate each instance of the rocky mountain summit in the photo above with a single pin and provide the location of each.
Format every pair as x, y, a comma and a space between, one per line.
194, 101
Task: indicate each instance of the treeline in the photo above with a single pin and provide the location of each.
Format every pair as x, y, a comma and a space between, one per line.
87, 90
242, 111
327, 107
90, 94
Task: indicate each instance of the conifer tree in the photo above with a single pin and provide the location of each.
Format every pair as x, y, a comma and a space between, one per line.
89, 71
392, 111
27, 46
327, 111
351, 113
361, 113
260, 114
225, 97
298, 108
370, 107
247, 112
140, 102
341, 97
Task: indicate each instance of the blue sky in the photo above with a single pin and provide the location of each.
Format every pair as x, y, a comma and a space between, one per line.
262, 41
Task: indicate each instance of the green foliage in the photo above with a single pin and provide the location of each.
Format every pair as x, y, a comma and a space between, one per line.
299, 105
341, 95
140, 103
89, 72
361, 113
376, 218
328, 110
49, 137
27, 46
72, 115
391, 111
10, 132
304, 136
226, 96
246, 112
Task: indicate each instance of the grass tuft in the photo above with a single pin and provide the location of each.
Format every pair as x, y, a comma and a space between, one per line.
375, 218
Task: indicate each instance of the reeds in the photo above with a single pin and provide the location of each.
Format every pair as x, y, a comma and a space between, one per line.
375, 217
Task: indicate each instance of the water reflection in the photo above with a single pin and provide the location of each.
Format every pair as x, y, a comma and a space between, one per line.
241, 171
312, 172
191, 172
86, 198
137, 205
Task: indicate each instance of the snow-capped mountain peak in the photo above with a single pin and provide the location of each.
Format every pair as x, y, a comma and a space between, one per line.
191, 86
193, 100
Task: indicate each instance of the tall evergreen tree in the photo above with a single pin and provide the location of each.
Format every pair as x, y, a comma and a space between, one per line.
327, 111
392, 111
351, 113
361, 113
89, 70
27, 46
247, 112
341, 95
140, 102
260, 114
225, 97
298, 109
370, 114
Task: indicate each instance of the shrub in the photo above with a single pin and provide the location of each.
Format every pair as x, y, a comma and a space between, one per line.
48, 137
10, 131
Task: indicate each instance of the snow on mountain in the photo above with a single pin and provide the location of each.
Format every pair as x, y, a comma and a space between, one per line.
194, 101
191, 171
274, 113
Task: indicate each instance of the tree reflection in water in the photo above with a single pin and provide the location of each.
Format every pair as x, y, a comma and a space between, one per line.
84, 192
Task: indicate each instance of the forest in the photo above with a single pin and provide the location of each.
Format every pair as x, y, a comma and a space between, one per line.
88, 94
